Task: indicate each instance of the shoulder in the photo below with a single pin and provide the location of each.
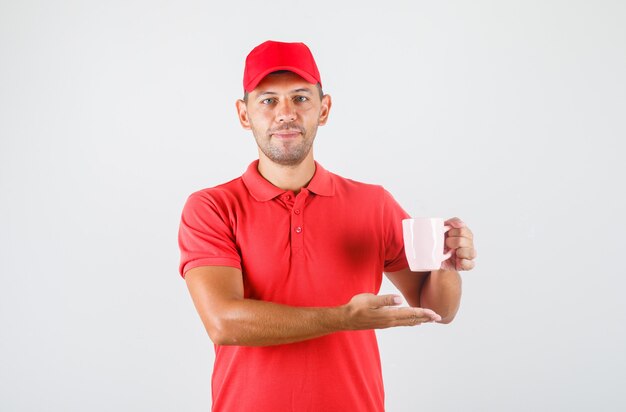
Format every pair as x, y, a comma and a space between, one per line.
369, 196
220, 197
351, 187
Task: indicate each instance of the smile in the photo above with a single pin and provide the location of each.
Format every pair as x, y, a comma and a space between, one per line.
287, 134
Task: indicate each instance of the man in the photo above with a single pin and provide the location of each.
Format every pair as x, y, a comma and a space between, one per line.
284, 263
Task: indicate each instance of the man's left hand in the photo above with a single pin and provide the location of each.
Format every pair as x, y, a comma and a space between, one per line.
460, 240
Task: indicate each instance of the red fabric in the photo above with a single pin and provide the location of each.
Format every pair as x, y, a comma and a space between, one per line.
319, 248
272, 56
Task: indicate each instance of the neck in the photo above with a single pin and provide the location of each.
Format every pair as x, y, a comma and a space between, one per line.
291, 178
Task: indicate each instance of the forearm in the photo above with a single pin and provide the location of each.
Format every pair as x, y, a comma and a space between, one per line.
248, 322
230, 319
441, 292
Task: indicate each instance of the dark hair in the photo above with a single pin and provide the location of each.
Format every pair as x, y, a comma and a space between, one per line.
319, 86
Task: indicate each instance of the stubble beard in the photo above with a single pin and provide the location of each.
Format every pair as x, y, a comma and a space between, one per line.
285, 153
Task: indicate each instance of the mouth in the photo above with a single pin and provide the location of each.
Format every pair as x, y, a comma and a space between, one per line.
287, 134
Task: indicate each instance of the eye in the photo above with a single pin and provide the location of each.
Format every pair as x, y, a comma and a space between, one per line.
301, 99
269, 100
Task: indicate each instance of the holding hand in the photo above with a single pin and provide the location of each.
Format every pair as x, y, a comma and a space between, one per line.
460, 240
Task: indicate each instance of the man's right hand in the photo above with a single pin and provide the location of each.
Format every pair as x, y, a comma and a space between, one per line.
368, 311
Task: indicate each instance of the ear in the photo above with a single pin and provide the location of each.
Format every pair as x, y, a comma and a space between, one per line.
325, 110
242, 113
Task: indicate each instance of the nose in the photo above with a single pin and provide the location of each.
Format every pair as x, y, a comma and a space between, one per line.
286, 111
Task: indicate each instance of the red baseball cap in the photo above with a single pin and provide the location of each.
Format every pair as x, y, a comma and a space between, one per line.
272, 56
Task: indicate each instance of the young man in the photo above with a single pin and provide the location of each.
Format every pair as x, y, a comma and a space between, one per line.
284, 263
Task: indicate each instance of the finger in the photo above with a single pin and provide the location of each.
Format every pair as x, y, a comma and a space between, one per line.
461, 232
448, 265
414, 316
430, 314
459, 242
425, 316
455, 222
466, 253
465, 264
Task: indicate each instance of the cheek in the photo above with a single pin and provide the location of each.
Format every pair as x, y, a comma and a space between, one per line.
259, 117
306, 109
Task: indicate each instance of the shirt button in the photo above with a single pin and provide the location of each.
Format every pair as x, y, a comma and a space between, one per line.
297, 211
287, 197
298, 229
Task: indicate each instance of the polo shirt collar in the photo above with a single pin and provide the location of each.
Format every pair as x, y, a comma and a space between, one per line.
322, 182
262, 190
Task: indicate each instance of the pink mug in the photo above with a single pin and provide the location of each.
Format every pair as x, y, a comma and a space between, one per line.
424, 241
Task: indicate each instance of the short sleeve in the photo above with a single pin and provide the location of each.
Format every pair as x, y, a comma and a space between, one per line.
205, 235
395, 258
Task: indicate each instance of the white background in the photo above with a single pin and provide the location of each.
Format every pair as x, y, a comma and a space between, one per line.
508, 114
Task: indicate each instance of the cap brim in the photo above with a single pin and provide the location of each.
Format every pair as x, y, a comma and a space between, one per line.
252, 84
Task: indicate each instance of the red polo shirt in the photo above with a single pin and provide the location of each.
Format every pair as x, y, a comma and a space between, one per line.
318, 248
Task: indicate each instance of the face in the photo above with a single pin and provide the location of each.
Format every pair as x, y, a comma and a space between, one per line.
283, 113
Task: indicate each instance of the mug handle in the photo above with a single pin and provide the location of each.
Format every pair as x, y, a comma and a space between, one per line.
447, 255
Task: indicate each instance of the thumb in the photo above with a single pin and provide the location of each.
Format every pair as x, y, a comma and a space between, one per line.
387, 300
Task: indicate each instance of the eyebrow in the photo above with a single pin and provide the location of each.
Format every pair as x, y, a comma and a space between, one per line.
293, 91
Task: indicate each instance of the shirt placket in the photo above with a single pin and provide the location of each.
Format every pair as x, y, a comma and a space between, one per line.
298, 228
